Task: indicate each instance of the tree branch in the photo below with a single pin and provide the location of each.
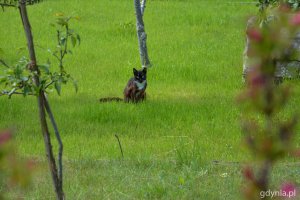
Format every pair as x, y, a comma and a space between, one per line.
13, 92
41, 102
15, 3
4, 64
49, 84
121, 149
58, 138
7, 5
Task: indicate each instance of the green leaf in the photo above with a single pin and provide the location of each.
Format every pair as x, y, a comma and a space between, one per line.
62, 40
11, 92
20, 50
52, 24
49, 50
70, 31
61, 21
76, 17
181, 180
59, 14
24, 78
26, 90
78, 38
3, 79
10, 72
73, 39
45, 68
57, 86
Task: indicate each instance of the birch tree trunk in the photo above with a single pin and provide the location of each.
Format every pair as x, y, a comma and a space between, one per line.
141, 33
143, 6
57, 182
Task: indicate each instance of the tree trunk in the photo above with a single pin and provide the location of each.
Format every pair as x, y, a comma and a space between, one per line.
143, 6
41, 102
142, 36
60, 144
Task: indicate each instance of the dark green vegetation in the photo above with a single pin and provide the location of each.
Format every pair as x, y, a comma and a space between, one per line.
190, 118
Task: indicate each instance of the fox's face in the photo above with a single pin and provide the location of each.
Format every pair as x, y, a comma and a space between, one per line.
140, 75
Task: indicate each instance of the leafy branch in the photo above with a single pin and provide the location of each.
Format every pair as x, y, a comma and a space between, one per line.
19, 77
264, 4
64, 35
15, 3
267, 137
29, 78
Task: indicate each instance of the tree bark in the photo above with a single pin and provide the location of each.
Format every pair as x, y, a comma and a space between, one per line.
143, 6
41, 101
141, 34
60, 144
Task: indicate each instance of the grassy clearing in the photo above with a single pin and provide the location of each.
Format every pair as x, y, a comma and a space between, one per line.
170, 141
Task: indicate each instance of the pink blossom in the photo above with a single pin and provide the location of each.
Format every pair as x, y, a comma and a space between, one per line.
4, 137
255, 35
248, 173
289, 189
296, 20
258, 80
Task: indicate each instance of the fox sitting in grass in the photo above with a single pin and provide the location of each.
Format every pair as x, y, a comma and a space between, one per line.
135, 90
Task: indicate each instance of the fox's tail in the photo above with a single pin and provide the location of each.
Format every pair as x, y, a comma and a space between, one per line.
109, 99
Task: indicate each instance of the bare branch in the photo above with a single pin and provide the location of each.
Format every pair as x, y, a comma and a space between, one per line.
58, 138
4, 64
13, 93
49, 84
120, 145
7, 5
15, 3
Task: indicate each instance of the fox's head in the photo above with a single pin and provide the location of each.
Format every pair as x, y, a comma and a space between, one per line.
140, 75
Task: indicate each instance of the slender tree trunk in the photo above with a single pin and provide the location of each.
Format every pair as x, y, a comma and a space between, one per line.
41, 102
142, 36
60, 144
143, 6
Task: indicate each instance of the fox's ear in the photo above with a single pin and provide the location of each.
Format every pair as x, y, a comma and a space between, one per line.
145, 70
135, 72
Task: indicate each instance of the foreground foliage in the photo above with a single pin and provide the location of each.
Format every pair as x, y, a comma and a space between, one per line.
269, 138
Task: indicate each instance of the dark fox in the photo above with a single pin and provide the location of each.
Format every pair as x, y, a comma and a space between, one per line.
135, 90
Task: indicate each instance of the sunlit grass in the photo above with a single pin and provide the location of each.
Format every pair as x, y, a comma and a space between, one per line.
189, 120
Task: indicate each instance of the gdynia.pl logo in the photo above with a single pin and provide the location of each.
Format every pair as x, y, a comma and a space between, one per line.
279, 193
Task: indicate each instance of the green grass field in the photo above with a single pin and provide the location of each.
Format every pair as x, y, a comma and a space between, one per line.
190, 119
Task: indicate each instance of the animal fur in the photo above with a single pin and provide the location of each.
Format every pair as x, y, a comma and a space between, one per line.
135, 90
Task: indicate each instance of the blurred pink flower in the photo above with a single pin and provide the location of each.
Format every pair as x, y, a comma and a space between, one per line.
4, 137
255, 34
289, 189
296, 19
258, 81
248, 173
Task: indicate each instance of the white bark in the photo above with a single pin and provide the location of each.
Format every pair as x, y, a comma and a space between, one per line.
141, 33
143, 6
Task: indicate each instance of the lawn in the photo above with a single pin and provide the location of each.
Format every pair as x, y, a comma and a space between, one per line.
183, 142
